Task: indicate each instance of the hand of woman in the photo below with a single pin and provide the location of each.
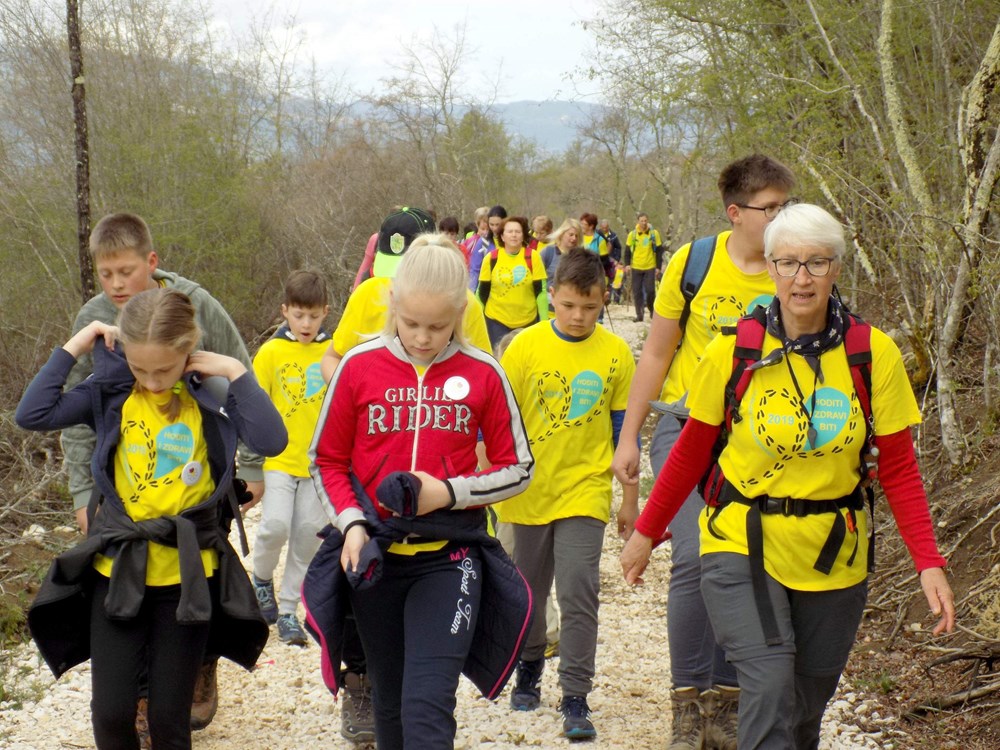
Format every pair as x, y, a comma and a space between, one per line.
84, 340
354, 541
940, 598
635, 557
212, 363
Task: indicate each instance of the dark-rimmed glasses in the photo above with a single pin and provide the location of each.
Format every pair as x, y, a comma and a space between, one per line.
789, 267
772, 210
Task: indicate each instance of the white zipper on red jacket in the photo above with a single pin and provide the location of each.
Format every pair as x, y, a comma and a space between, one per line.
417, 416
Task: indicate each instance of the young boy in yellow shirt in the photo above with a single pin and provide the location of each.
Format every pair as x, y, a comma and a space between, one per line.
571, 378
287, 367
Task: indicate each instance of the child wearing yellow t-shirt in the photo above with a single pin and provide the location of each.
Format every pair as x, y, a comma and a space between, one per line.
287, 367
141, 596
571, 379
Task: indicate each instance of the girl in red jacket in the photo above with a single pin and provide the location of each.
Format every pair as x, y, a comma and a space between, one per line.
414, 400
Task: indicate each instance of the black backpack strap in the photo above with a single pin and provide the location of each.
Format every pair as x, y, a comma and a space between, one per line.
695, 270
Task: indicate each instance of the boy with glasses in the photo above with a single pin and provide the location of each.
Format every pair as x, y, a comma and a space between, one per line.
754, 190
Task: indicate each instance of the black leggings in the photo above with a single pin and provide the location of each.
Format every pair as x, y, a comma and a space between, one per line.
123, 650
417, 624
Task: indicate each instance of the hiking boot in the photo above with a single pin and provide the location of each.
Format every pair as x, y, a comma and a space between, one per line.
265, 599
527, 692
721, 706
142, 724
576, 718
290, 631
357, 719
686, 728
206, 696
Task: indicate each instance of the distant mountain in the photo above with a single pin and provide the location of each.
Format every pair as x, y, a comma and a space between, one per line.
552, 125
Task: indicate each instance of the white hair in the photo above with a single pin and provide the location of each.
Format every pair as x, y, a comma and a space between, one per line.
804, 225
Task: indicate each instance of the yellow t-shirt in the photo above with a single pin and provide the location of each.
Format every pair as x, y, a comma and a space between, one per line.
161, 468
289, 373
726, 295
768, 454
367, 307
567, 390
642, 244
601, 245
512, 299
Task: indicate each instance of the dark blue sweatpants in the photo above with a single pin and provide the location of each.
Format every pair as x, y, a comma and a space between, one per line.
416, 625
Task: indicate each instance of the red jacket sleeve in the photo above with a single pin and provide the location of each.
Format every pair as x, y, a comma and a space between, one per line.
904, 490
686, 464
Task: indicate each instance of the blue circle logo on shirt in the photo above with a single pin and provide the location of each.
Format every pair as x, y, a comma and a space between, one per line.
586, 389
830, 414
314, 380
518, 274
174, 448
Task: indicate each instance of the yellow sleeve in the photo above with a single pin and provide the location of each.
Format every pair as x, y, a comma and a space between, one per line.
669, 301
894, 406
474, 324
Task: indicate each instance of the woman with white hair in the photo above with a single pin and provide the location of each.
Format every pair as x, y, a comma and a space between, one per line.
798, 396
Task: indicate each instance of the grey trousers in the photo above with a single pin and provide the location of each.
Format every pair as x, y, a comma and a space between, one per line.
569, 550
505, 535
695, 659
784, 688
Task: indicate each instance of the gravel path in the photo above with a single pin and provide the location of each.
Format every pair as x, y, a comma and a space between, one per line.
282, 703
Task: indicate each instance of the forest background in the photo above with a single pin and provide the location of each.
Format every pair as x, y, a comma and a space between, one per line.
248, 163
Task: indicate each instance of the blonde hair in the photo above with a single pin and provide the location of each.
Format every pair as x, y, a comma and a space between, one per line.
121, 232
432, 265
164, 317
565, 227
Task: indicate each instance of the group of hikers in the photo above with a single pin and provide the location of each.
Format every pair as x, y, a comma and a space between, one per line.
445, 457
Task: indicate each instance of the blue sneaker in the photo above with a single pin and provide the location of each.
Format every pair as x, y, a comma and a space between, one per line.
290, 632
265, 599
576, 718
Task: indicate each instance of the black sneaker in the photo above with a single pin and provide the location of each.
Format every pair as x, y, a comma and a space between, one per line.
527, 692
576, 718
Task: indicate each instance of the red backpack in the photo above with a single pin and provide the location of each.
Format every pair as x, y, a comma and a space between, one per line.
496, 254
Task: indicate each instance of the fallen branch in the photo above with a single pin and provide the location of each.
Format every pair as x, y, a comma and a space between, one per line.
950, 701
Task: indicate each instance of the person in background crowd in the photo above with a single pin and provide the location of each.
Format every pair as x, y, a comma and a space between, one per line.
614, 244
643, 255
485, 244
512, 282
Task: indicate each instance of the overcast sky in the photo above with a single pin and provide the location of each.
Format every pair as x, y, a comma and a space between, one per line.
530, 46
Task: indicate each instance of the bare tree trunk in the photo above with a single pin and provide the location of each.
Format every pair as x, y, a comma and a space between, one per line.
87, 288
